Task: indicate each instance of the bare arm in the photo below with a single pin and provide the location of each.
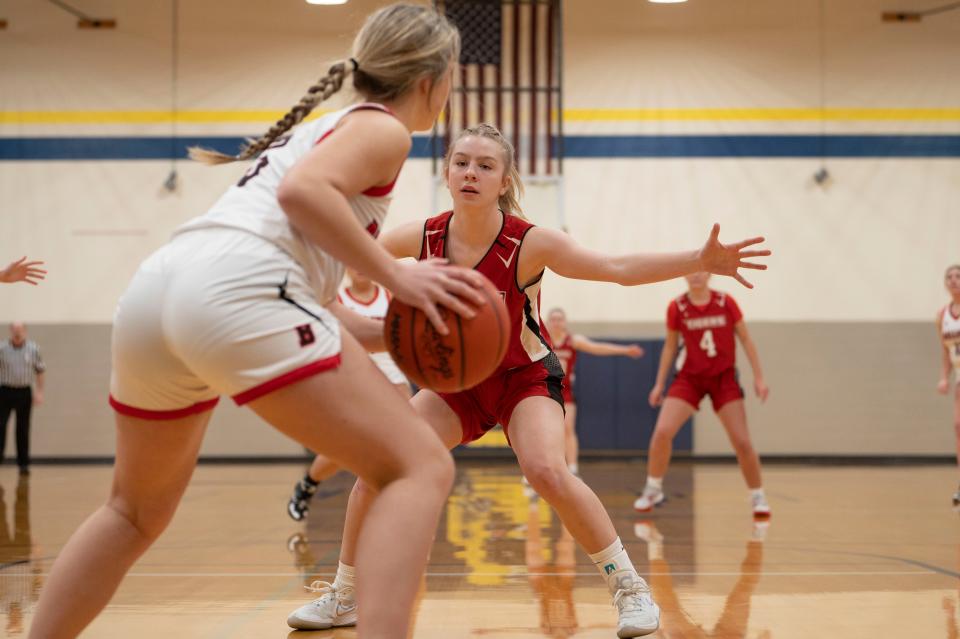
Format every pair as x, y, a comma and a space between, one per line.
667, 355
368, 149
759, 384
548, 248
368, 331
404, 241
38, 395
587, 345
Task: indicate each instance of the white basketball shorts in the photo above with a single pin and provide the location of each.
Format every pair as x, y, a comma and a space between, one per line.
214, 312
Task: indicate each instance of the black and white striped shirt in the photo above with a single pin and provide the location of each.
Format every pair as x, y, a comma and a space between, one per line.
19, 365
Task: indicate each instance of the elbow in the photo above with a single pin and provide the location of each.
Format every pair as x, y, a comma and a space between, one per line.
619, 275
291, 198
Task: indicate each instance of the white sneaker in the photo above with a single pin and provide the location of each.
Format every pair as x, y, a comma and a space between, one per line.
761, 509
956, 499
648, 499
638, 614
335, 607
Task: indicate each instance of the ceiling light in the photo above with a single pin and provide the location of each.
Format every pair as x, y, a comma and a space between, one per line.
326, 1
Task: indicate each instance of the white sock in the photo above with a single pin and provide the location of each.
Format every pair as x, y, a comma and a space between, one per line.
574, 468
345, 579
757, 492
615, 566
655, 482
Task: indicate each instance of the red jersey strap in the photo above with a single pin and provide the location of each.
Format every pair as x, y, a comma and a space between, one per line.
434, 235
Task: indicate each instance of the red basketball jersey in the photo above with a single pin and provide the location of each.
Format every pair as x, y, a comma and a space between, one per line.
567, 355
529, 341
709, 341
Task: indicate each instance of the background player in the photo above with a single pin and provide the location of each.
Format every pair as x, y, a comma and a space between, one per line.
948, 328
524, 395
707, 320
233, 304
566, 345
367, 298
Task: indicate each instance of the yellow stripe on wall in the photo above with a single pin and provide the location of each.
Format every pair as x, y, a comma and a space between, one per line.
141, 117
570, 115
639, 115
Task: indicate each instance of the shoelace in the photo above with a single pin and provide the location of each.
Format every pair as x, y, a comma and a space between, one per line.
321, 586
624, 597
327, 588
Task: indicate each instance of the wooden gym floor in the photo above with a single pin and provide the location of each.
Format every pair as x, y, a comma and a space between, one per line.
850, 552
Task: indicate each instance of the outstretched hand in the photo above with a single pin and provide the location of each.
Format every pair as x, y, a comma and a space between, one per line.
727, 259
23, 271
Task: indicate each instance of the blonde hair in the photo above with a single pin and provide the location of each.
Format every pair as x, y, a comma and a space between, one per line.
952, 267
509, 202
397, 45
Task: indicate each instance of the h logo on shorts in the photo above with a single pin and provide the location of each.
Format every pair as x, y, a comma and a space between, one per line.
305, 332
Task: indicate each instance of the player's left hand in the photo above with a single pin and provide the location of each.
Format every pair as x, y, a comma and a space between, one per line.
37, 398
726, 259
762, 390
635, 351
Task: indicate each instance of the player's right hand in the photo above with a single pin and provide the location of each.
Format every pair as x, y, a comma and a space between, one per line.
23, 271
656, 396
943, 386
434, 282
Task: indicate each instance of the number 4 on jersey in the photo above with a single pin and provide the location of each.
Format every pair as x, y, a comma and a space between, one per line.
707, 343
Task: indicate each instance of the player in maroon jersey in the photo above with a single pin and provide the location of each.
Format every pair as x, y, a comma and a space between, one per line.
566, 345
708, 322
524, 394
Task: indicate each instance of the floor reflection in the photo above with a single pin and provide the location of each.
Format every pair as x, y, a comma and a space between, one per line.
675, 621
19, 577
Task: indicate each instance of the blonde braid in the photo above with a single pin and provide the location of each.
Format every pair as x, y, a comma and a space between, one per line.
322, 90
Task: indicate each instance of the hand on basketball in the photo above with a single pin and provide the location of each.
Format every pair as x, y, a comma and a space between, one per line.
23, 271
761, 389
943, 386
656, 396
635, 351
434, 282
726, 259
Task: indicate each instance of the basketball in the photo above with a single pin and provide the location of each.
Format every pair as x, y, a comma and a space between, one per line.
463, 358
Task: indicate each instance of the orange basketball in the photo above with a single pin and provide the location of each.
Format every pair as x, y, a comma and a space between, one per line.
459, 360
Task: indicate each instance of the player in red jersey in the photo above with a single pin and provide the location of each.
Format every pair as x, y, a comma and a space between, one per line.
708, 321
948, 330
524, 394
566, 345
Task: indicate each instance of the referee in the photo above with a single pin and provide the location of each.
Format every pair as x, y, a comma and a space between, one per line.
20, 366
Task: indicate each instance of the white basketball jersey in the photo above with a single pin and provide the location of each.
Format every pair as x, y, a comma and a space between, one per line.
950, 334
375, 309
251, 204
